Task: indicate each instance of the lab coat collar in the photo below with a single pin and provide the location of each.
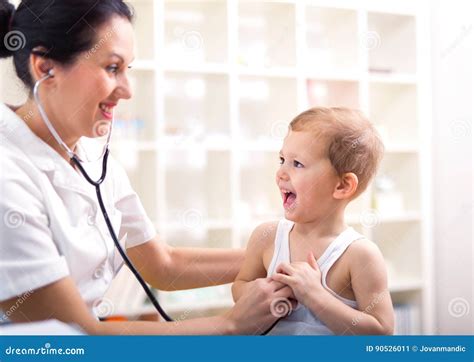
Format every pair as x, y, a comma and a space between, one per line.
14, 129
61, 173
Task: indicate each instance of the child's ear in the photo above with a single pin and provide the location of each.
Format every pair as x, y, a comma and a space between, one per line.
346, 187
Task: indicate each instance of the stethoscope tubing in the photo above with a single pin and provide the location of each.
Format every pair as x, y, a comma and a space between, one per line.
105, 155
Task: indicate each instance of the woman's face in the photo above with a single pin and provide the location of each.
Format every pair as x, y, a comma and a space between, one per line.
86, 93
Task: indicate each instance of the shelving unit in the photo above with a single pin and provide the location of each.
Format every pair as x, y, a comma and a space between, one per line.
216, 84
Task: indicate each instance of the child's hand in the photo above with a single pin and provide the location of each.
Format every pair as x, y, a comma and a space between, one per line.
304, 278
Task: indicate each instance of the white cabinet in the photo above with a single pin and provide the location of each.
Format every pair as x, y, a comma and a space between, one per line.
216, 84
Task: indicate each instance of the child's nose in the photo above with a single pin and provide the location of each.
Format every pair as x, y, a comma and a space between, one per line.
282, 174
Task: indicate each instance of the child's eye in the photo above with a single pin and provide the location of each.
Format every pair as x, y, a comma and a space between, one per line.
298, 164
282, 160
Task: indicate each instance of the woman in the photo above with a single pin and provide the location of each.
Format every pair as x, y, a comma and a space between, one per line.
56, 251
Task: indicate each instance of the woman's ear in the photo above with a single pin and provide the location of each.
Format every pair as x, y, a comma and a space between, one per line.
39, 64
346, 187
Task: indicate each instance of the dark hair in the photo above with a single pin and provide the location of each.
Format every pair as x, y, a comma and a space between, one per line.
64, 28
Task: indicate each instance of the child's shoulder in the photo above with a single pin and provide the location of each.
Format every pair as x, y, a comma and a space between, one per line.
264, 234
363, 251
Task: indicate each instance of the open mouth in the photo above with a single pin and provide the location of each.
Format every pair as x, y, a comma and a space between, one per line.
289, 199
107, 110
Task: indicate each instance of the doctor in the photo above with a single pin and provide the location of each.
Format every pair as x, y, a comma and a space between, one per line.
56, 255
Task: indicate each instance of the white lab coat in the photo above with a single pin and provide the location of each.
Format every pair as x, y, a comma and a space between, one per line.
50, 222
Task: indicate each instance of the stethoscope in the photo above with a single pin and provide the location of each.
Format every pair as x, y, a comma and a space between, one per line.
76, 160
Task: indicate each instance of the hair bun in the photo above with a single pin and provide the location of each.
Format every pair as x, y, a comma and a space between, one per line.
7, 46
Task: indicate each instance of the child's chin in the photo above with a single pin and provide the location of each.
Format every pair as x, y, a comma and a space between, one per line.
291, 215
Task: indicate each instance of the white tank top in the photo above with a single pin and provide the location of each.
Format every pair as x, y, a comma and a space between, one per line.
301, 320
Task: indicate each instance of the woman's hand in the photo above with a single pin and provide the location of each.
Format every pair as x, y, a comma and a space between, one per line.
254, 311
304, 278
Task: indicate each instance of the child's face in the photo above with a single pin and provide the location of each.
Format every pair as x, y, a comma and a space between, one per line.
306, 178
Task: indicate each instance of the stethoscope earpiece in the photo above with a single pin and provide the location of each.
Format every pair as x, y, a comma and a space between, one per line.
51, 72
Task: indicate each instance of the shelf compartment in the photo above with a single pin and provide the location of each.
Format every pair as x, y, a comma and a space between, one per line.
135, 118
266, 107
400, 244
195, 32
266, 34
140, 167
402, 196
205, 114
391, 42
260, 197
359, 209
144, 29
408, 319
198, 187
393, 109
195, 235
333, 93
331, 49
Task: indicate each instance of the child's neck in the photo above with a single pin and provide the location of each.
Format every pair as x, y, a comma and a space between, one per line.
327, 226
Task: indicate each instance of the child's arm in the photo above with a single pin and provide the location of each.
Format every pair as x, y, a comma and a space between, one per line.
253, 267
369, 283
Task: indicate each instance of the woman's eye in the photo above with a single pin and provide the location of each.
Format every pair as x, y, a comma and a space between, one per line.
298, 164
282, 160
112, 69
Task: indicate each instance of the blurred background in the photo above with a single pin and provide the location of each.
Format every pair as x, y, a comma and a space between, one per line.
216, 84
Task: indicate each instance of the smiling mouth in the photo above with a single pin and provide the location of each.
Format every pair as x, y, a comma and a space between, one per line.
107, 110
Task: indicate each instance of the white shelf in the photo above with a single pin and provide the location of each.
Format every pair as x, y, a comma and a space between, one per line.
277, 72
393, 78
390, 34
230, 76
208, 225
144, 65
204, 68
344, 76
403, 286
216, 84
407, 216
401, 148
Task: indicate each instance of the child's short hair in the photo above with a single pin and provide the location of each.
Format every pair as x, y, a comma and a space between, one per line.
353, 144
